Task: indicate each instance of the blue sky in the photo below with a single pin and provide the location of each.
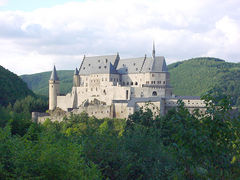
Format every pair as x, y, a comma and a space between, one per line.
36, 34
29, 5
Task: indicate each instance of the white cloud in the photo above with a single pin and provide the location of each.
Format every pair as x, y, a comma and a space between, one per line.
62, 34
3, 2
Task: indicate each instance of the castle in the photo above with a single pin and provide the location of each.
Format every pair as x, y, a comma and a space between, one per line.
108, 86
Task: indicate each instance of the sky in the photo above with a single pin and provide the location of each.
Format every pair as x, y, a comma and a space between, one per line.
37, 34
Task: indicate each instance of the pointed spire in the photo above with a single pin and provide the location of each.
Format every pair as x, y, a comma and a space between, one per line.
76, 72
54, 76
153, 51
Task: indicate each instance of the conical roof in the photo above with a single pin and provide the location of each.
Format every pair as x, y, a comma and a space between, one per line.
76, 72
54, 76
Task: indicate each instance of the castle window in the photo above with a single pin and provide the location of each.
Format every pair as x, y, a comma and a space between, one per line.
151, 82
105, 79
163, 82
123, 83
152, 75
136, 69
134, 64
106, 60
102, 79
89, 64
99, 60
114, 79
147, 82
131, 83
91, 89
126, 94
127, 83
136, 83
126, 70
104, 91
105, 67
99, 67
154, 93
111, 79
83, 67
96, 89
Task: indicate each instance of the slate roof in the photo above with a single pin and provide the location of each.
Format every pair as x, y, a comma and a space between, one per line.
185, 97
112, 64
142, 64
99, 65
54, 76
133, 65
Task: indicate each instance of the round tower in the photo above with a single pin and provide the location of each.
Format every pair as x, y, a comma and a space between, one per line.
76, 78
53, 89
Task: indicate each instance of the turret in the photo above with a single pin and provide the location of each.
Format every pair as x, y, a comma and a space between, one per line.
153, 51
76, 78
53, 89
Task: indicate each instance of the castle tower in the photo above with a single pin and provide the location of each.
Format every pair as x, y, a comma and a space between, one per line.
53, 89
76, 78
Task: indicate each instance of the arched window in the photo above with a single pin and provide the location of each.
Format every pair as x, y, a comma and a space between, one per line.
154, 93
136, 83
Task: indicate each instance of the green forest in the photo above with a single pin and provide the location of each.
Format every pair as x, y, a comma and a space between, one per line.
193, 77
12, 87
179, 145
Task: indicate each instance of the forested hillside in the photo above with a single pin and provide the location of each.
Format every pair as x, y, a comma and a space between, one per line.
190, 77
11, 87
200, 75
39, 82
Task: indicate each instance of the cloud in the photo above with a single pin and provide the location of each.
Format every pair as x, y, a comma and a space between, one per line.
3, 2
62, 34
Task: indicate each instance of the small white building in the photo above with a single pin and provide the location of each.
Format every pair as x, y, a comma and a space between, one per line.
108, 86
